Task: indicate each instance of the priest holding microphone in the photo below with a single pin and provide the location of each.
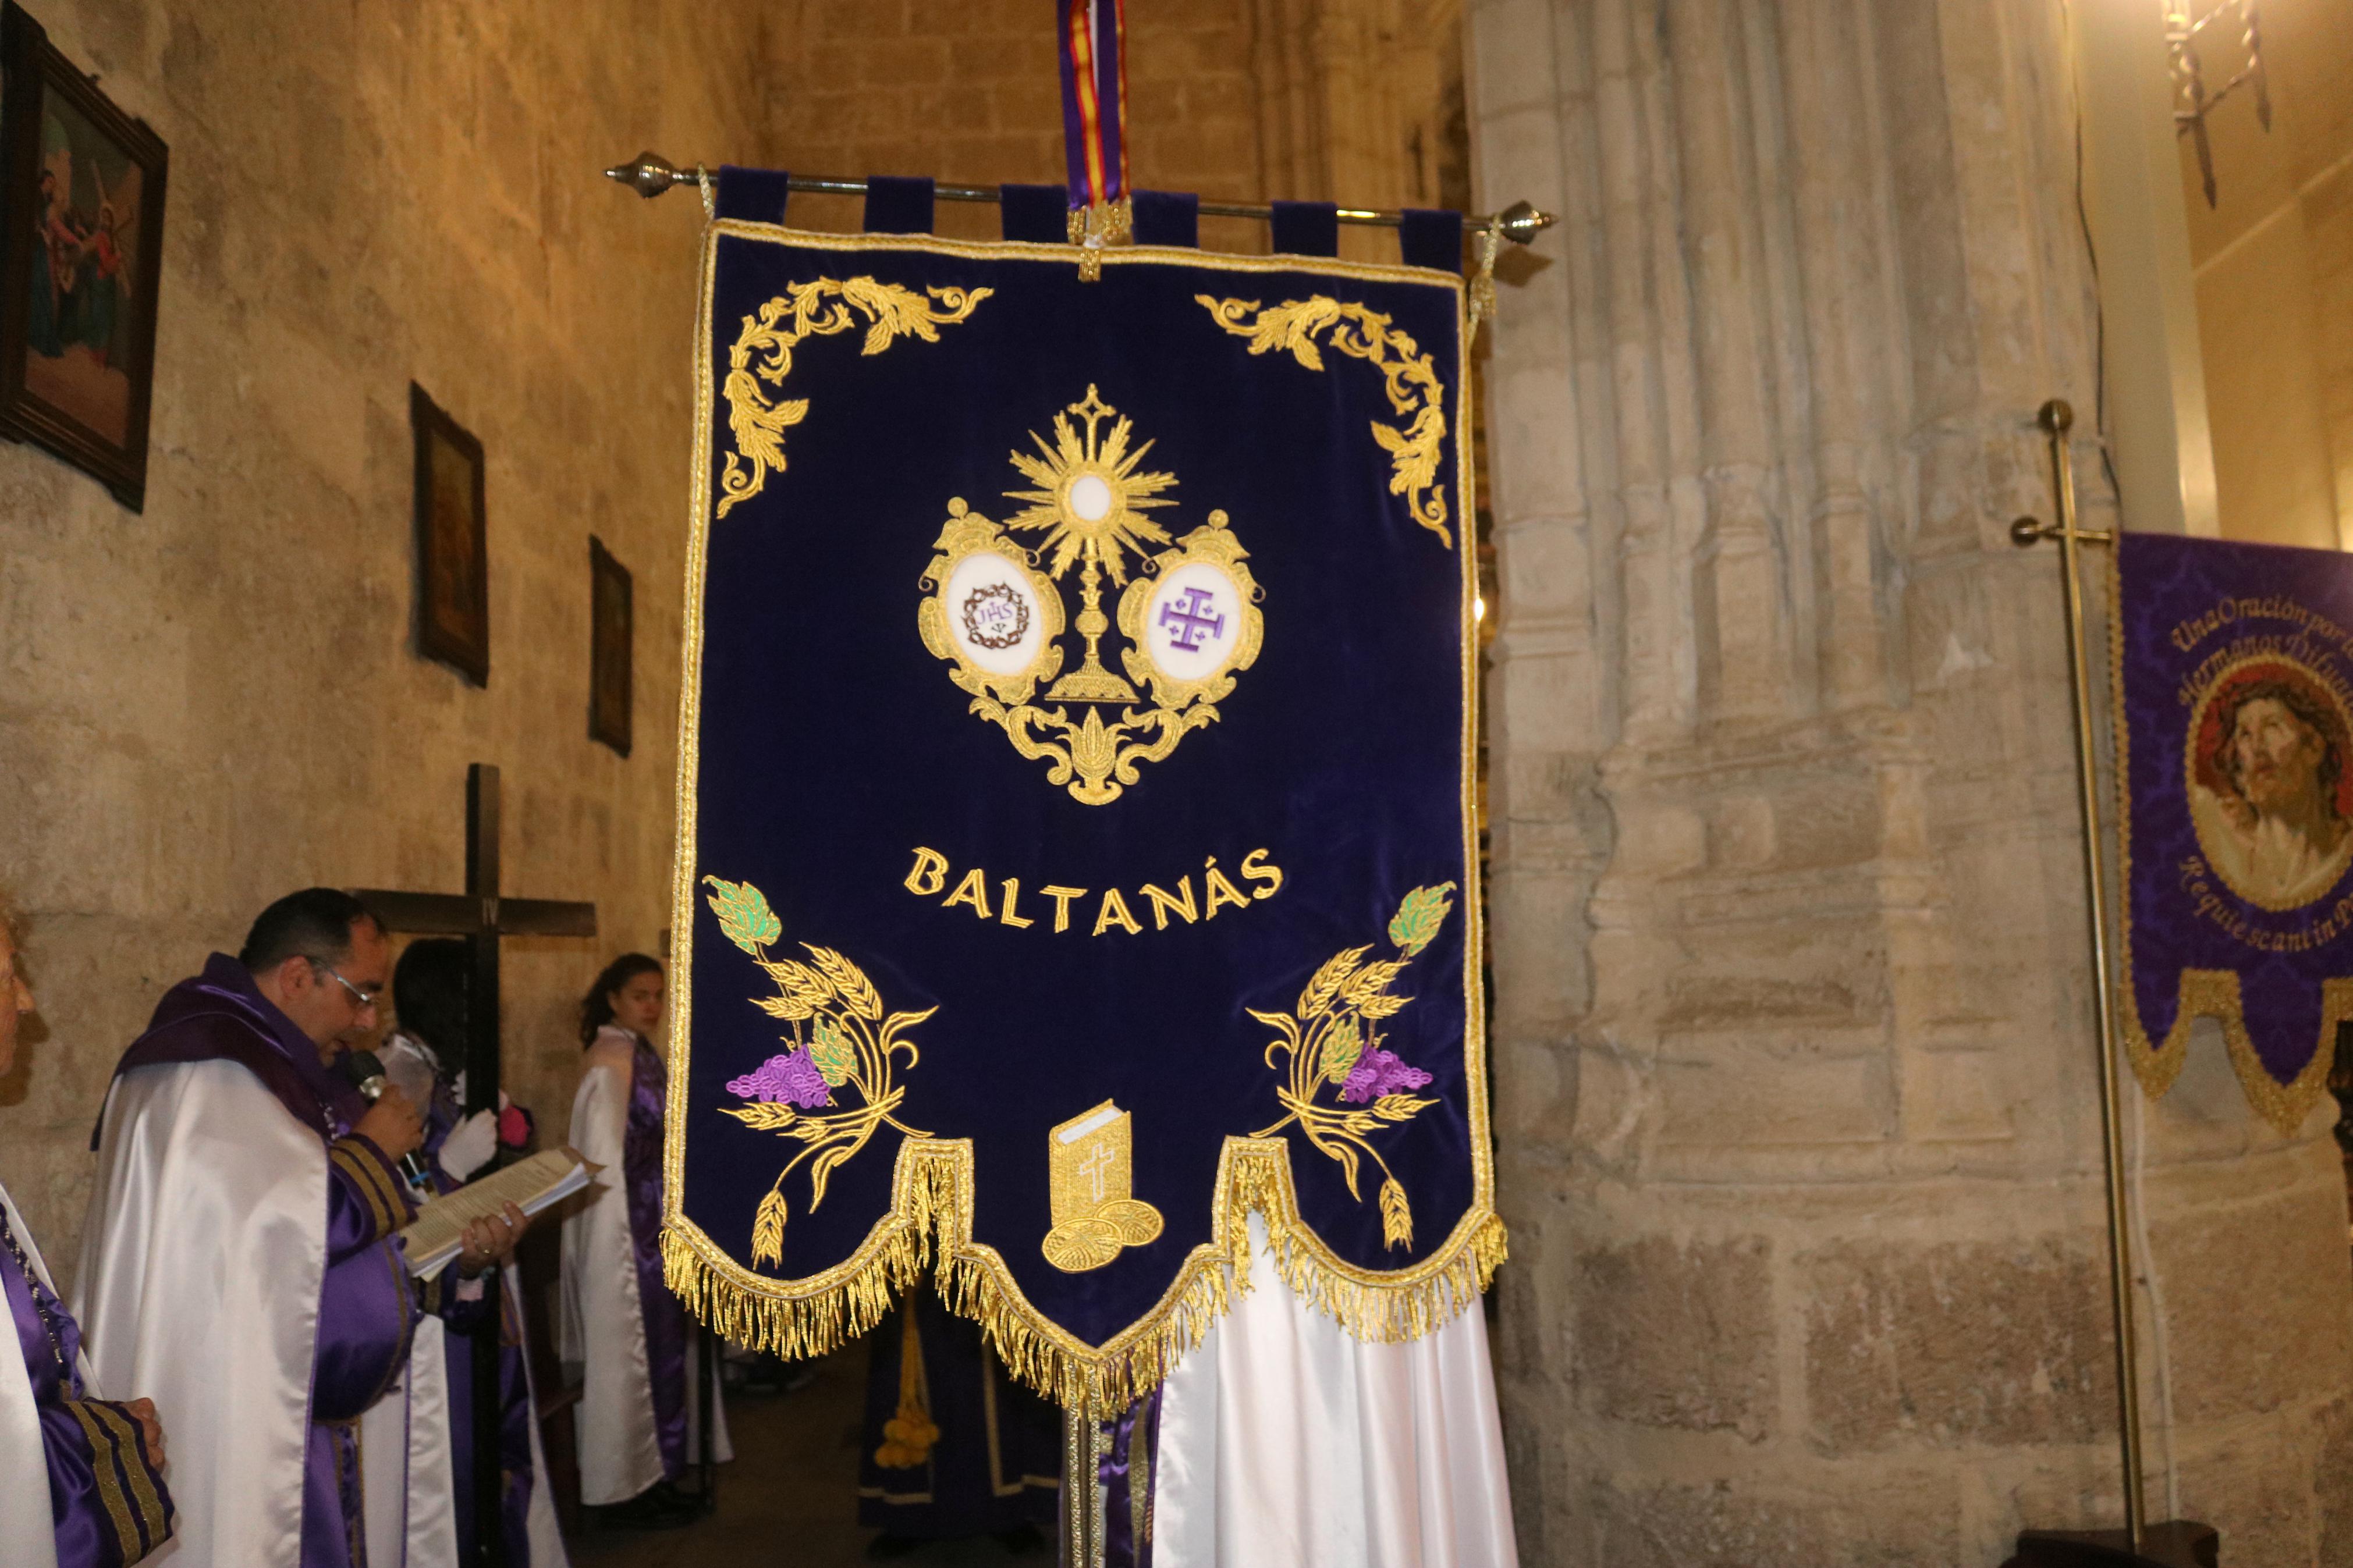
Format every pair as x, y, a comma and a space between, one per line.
239, 1261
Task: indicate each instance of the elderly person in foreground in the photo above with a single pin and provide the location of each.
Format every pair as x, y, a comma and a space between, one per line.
108, 1505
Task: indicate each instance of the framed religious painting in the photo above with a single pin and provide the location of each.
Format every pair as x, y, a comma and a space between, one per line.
81, 239
453, 566
609, 648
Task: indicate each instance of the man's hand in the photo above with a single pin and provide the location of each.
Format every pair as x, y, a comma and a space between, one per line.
490, 1242
393, 1124
150, 1429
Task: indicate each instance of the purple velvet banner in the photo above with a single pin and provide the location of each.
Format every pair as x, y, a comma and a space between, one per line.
2233, 672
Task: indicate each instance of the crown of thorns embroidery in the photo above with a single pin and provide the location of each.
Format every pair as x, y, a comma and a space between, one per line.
996, 617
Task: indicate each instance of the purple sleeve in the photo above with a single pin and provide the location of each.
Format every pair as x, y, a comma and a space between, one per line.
366, 1200
458, 1304
109, 1502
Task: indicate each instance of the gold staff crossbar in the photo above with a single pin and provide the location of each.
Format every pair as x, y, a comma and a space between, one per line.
650, 174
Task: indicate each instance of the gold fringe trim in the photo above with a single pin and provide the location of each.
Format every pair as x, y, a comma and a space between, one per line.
2214, 993
932, 1207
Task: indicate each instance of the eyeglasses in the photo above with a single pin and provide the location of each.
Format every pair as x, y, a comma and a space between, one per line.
363, 1000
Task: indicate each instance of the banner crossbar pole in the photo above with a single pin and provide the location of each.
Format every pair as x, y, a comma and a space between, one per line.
650, 174
2056, 419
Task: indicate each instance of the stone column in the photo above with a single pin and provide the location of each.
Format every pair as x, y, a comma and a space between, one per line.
1796, 1075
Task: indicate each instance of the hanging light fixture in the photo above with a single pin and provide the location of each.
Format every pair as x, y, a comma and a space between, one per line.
2193, 102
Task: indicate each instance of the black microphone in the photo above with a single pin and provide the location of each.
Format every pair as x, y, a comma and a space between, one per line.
364, 1071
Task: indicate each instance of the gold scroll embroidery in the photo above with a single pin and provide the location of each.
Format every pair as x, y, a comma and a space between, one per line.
763, 353
839, 1038
995, 615
1411, 376
1091, 1189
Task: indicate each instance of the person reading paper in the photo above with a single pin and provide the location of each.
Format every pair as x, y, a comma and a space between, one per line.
239, 1258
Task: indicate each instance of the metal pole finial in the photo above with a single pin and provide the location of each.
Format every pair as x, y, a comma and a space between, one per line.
1523, 221
648, 175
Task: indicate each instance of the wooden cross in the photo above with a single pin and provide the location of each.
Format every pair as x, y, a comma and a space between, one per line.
482, 917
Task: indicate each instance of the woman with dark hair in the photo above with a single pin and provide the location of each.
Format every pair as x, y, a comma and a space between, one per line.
431, 1438
637, 1423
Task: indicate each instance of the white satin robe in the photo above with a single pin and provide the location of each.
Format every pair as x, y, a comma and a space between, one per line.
201, 1264
602, 1317
1285, 1443
404, 1455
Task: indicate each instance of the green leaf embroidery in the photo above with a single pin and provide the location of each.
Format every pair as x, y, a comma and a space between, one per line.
832, 1053
1419, 918
1343, 1046
743, 914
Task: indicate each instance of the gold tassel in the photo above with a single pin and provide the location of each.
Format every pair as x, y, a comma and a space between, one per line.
1483, 282
908, 1436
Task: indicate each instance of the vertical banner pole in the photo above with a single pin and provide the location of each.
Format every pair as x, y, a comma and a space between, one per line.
482, 1094
1082, 1494
2056, 419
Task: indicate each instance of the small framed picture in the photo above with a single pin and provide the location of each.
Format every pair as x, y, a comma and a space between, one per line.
453, 558
609, 648
81, 245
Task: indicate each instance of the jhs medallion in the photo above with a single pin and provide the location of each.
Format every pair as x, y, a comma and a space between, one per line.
1188, 616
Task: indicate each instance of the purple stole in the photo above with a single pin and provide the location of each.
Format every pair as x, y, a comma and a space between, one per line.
664, 1315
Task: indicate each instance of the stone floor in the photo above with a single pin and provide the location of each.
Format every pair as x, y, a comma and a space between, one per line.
790, 1496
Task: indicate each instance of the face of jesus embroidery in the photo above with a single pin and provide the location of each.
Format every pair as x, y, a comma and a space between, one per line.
997, 611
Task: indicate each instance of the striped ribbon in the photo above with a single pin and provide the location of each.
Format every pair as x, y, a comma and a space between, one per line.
1094, 100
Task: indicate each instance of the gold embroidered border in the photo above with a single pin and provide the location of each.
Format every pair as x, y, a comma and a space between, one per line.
931, 1181
2203, 993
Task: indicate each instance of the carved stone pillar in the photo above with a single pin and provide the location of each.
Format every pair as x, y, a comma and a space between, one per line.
1796, 1084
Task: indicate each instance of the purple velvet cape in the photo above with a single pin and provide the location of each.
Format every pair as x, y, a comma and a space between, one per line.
366, 1305
108, 1499
1000, 1453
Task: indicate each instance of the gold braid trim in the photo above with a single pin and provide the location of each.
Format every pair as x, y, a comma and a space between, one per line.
2204, 992
2214, 993
931, 1206
103, 1446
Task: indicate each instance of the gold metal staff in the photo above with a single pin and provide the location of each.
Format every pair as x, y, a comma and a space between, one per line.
2056, 419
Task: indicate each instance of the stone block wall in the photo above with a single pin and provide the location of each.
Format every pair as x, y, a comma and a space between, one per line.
1352, 101
215, 701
